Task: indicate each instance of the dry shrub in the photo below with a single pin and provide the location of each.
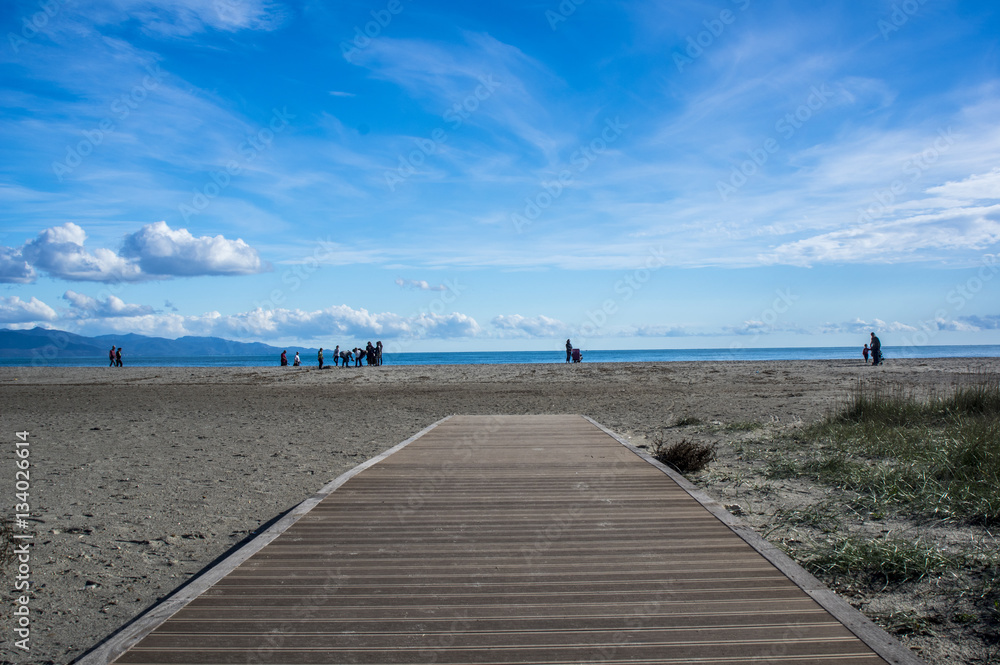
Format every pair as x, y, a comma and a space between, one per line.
685, 455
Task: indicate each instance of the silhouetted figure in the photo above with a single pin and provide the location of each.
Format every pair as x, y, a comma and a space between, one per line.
876, 348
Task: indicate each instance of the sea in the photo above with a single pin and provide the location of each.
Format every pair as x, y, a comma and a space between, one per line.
536, 357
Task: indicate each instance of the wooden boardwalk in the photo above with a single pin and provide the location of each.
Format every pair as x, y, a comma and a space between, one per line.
527, 539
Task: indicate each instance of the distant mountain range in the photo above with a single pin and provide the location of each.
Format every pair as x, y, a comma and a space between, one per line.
54, 343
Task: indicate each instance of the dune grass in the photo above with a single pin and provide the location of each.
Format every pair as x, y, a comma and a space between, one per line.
937, 455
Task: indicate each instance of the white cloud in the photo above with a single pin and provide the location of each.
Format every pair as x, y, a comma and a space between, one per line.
161, 251
59, 252
15, 310
916, 238
975, 187
419, 284
13, 268
187, 17
154, 252
515, 325
87, 307
329, 325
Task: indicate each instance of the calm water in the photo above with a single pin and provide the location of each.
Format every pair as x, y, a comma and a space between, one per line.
511, 357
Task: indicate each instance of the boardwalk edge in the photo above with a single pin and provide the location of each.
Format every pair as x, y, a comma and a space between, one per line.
106, 651
881, 642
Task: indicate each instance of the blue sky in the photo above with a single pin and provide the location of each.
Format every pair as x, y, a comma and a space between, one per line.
449, 176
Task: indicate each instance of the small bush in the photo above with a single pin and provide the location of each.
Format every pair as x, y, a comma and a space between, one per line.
685, 421
686, 456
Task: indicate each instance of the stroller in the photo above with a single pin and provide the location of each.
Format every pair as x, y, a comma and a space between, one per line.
577, 355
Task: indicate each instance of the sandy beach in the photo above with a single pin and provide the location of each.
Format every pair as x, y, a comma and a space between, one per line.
140, 477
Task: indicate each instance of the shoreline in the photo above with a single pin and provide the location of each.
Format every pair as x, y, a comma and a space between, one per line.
143, 476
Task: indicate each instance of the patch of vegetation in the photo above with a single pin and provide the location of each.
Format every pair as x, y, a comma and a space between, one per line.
686, 421
686, 456
887, 560
937, 456
824, 516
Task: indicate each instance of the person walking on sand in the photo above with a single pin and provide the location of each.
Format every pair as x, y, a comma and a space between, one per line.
569, 350
118, 357
320, 357
111, 356
864, 352
296, 362
876, 350
378, 352
336, 356
284, 358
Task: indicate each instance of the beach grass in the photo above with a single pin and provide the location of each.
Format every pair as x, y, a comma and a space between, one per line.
936, 455
889, 560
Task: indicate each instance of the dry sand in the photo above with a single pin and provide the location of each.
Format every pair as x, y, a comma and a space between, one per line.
140, 477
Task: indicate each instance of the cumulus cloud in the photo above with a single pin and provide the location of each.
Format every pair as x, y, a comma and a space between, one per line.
154, 252
87, 307
336, 323
419, 284
59, 251
15, 310
159, 250
13, 268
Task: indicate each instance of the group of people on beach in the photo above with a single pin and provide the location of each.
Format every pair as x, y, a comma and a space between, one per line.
875, 349
115, 356
371, 355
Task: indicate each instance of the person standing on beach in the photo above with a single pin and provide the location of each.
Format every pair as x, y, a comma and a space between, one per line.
111, 356
569, 350
296, 362
118, 357
336, 355
320, 357
876, 348
284, 358
378, 352
864, 352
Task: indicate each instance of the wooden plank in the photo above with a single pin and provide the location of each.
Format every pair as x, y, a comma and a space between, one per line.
510, 539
